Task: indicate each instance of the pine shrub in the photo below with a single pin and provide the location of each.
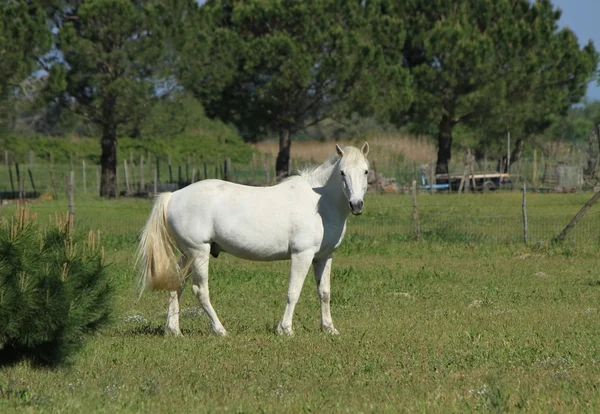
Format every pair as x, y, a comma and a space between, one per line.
53, 288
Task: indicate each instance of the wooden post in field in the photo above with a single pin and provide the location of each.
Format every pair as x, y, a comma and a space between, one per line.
413, 195
226, 169
534, 180
132, 170
12, 185
577, 217
267, 172
72, 182
524, 210
205, 170
432, 174
142, 181
157, 168
155, 182
193, 179
84, 177
69, 190
19, 184
53, 184
127, 187
32, 182
187, 169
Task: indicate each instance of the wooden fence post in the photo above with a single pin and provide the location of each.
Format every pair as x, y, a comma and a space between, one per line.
577, 217
142, 181
413, 195
127, 187
524, 210
19, 184
226, 169
84, 178
155, 182
97, 181
69, 189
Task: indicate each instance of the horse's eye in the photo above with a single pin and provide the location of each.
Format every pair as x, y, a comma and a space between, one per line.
343, 173
366, 171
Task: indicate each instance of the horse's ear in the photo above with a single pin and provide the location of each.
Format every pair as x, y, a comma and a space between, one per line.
365, 149
339, 151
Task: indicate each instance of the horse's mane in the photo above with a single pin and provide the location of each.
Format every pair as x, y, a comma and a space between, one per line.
317, 176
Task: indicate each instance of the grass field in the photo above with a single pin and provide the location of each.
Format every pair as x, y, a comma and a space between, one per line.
469, 320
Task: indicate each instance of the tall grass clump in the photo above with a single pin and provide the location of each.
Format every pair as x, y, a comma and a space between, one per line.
53, 289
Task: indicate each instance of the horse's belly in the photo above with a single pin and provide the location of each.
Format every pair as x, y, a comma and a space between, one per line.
253, 239
253, 245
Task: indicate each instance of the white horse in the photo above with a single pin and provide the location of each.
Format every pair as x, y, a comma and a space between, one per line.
302, 218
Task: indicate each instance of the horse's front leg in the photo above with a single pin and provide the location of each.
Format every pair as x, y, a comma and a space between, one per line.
323, 278
299, 268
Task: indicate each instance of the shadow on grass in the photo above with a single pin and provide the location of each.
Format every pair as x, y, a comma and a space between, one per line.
45, 355
144, 330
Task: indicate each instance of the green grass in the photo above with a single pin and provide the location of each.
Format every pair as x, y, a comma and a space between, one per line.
465, 321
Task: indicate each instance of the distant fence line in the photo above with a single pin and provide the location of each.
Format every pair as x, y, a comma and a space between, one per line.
138, 173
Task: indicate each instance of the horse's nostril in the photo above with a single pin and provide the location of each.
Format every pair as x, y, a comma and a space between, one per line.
360, 204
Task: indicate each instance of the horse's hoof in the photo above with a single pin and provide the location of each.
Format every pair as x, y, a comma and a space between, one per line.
220, 332
330, 330
173, 332
284, 331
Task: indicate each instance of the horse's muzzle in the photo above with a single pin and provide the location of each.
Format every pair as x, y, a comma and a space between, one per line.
356, 207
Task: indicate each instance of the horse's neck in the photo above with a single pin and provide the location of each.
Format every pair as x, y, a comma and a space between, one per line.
335, 200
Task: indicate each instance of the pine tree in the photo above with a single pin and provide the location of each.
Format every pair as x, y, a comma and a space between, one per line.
111, 53
489, 64
283, 65
23, 37
53, 289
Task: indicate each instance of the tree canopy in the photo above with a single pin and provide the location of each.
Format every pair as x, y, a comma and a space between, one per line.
24, 37
110, 54
275, 67
286, 65
494, 65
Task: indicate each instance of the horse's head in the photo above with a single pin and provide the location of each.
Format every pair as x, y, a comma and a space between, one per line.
354, 169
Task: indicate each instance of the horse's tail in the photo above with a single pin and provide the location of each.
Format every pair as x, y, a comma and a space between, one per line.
156, 253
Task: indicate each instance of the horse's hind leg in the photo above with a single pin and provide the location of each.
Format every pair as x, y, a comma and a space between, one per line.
200, 285
172, 326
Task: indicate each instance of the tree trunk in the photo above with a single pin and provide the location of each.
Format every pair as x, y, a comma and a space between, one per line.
444, 145
515, 156
108, 162
282, 164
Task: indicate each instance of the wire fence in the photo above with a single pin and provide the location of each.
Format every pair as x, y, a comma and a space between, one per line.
490, 218
137, 173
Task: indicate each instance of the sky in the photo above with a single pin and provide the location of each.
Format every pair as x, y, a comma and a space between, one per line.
582, 17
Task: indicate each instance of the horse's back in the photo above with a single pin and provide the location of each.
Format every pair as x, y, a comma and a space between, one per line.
257, 223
